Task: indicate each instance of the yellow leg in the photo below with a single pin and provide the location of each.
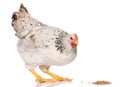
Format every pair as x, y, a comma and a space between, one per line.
39, 78
58, 78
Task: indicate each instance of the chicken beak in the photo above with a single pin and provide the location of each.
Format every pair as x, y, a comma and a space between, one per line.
76, 42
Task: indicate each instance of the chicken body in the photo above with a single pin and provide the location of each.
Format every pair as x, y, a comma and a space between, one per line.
46, 47
41, 45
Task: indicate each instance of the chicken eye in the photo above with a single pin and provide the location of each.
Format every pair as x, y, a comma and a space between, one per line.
71, 38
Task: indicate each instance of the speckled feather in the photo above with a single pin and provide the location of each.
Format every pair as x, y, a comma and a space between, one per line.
40, 44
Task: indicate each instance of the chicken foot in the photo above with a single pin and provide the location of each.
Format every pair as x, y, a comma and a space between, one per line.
45, 69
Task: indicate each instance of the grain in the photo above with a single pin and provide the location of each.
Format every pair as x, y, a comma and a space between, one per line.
102, 82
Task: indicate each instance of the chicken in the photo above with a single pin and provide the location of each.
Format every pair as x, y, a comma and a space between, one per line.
43, 45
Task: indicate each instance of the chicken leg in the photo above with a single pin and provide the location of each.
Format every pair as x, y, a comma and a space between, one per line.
39, 78
45, 69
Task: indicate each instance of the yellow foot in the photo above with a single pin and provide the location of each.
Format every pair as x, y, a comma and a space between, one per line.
62, 79
46, 80
58, 78
42, 80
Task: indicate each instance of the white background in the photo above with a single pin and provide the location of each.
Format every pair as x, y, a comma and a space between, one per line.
97, 23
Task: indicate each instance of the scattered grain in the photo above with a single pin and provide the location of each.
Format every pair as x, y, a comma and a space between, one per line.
102, 82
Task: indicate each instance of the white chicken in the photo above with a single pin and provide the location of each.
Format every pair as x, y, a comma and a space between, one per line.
43, 45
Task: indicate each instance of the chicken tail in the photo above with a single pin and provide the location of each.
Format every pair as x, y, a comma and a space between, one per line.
20, 19
22, 13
